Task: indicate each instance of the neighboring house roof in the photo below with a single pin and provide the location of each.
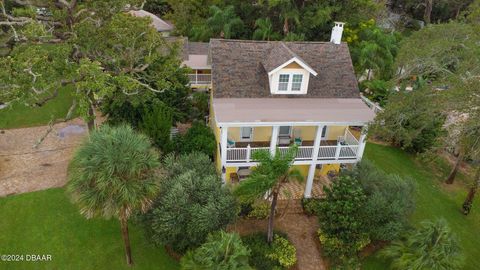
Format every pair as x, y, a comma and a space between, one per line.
159, 24
197, 55
306, 110
280, 55
240, 68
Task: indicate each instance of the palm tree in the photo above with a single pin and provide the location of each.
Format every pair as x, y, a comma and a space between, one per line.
222, 251
113, 174
433, 246
224, 23
288, 12
264, 30
269, 177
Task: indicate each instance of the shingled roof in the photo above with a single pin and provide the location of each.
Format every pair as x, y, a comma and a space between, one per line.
240, 68
280, 54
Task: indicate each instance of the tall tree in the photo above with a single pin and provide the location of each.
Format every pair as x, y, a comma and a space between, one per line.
288, 12
264, 30
114, 174
272, 173
94, 46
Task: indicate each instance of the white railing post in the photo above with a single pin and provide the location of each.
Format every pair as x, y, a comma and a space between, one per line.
337, 151
274, 139
362, 143
223, 147
311, 170
249, 149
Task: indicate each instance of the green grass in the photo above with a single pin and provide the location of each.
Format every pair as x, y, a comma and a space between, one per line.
432, 200
17, 115
46, 222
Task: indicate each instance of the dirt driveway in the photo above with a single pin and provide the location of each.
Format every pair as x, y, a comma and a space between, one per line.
24, 168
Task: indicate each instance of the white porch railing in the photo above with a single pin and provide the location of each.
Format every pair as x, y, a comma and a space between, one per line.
350, 138
305, 153
372, 105
200, 78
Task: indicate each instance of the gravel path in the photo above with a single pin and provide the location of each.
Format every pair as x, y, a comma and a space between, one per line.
24, 168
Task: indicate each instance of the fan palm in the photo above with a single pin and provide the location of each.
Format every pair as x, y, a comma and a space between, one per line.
433, 246
264, 30
113, 174
224, 22
222, 251
288, 12
272, 173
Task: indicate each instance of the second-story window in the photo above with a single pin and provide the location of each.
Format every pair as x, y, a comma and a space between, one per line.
283, 82
297, 82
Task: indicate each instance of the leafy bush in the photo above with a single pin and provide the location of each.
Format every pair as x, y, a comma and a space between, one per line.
192, 203
222, 251
198, 138
283, 251
341, 220
266, 257
432, 246
310, 206
411, 120
378, 90
245, 209
156, 123
389, 202
200, 105
260, 209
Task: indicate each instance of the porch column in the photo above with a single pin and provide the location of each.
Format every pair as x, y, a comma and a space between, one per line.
311, 170
274, 139
223, 148
362, 143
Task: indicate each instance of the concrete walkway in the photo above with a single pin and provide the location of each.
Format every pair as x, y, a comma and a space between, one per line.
301, 230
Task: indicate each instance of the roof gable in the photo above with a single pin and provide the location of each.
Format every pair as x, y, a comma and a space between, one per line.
281, 56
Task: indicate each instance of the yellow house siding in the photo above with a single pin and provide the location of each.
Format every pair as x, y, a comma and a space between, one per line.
334, 131
293, 65
228, 171
329, 167
307, 133
259, 133
303, 170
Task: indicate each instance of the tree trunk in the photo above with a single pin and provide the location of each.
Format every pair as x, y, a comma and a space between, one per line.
285, 26
454, 171
271, 217
428, 11
126, 240
467, 205
91, 112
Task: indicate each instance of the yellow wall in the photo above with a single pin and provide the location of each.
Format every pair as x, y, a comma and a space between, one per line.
259, 134
228, 171
303, 170
328, 167
334, 131
306, 133
216, 132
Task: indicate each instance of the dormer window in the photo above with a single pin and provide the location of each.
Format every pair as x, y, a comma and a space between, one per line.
290, 82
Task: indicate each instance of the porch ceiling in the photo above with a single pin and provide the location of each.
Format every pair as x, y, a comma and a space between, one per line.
281, 110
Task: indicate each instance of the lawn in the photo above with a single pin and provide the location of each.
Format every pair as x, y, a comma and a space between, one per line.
17, 115
433, 200
46, 222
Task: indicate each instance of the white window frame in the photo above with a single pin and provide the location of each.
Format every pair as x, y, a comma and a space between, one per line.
246, 139
275, 78
289, 131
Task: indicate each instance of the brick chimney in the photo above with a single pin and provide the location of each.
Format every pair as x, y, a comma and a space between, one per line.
337, 32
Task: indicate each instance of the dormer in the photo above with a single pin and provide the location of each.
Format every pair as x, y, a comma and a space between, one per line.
287, 72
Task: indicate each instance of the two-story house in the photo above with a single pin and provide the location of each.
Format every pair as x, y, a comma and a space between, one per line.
267, 95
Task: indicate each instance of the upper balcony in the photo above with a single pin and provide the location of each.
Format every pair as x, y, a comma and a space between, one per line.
339, 144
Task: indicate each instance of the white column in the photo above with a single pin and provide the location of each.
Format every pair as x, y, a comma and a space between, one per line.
223, 147
362, 143
311, 170
274, 139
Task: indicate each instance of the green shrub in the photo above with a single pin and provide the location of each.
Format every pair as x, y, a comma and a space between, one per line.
261, 257
200, 105
245, 209
191, 204
156, 123
341, 220
222, 251
310, 206
260, 210
199, 138
378, 90
283, 251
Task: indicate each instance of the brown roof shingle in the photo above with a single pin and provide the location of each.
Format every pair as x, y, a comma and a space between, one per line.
239, 68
